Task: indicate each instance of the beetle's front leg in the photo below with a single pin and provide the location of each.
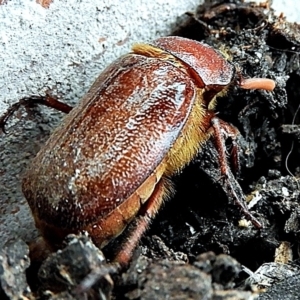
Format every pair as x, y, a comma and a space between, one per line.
220, 129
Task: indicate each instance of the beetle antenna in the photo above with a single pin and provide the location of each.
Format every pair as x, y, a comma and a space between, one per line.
258, 84
254, 83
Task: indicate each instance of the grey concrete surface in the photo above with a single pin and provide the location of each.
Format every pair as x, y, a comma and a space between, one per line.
62, 49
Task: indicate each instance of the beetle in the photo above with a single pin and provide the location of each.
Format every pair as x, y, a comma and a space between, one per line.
110, 161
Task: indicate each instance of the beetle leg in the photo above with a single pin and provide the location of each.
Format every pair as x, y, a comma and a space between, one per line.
47, 100
220, 145
140, 223
221, 127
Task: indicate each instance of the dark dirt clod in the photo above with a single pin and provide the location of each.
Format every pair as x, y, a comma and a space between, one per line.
170, 279
65, 270
287, 289
14, 261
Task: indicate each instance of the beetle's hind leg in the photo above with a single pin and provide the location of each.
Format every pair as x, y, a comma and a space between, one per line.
140, 224
29, 102
220, 129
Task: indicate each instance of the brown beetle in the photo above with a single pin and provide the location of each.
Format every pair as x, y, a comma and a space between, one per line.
143, 120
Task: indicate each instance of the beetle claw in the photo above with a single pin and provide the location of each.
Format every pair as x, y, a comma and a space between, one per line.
7, 115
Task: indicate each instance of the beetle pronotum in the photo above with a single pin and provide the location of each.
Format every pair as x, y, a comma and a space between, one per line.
143, 120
